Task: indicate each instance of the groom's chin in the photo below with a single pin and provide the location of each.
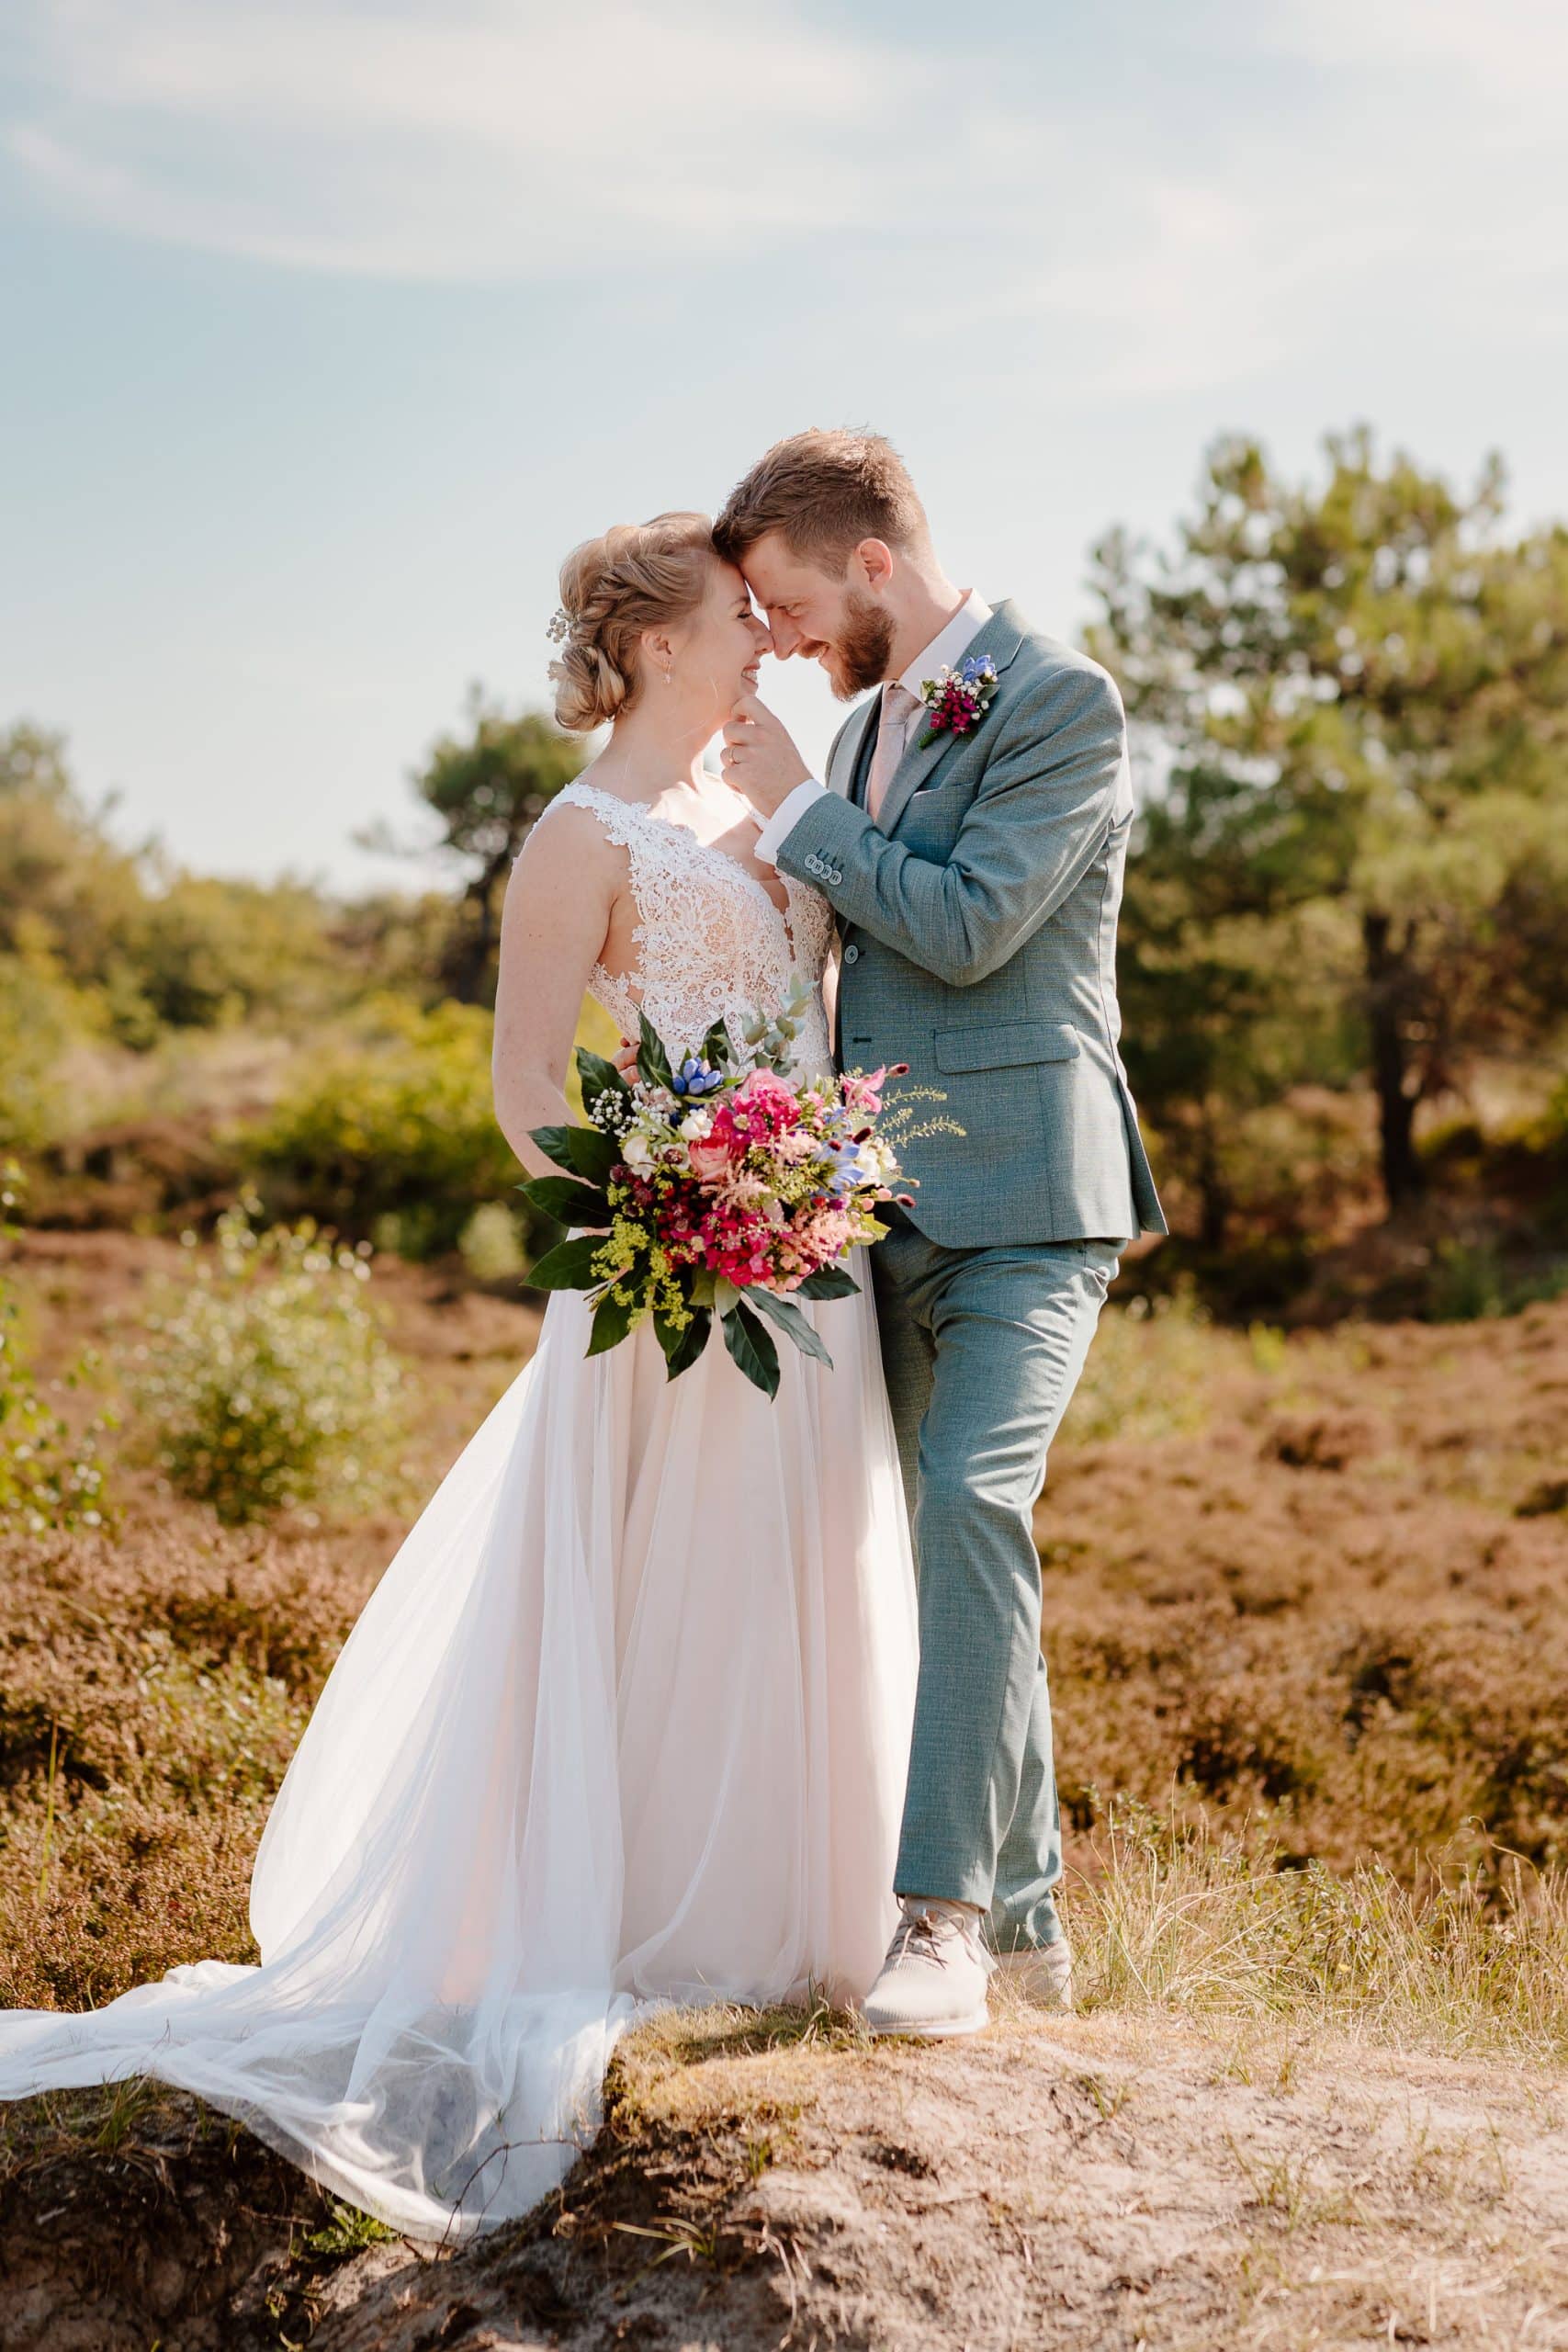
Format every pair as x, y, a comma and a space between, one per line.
847, 684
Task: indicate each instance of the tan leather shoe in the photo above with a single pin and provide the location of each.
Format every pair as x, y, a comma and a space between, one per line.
933, 1980
1041, 1972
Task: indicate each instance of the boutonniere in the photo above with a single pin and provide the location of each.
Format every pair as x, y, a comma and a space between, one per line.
958, 699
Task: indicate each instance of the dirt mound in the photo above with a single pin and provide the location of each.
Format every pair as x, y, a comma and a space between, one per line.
1089, 2182
132, 2217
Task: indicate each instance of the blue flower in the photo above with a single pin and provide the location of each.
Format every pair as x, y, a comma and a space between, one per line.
838, 1160
695, 1076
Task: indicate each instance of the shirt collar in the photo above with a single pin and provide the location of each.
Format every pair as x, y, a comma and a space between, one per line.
950, 644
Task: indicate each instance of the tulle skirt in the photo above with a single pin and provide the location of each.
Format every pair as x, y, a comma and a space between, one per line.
626, 1720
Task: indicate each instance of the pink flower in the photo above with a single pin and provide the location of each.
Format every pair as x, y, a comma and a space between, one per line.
862, 1092
709, 1158
766, 1087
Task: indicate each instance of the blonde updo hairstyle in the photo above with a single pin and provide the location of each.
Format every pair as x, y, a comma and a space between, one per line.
637, 576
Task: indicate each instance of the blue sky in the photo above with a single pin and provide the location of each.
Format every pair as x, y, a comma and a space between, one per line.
331, 325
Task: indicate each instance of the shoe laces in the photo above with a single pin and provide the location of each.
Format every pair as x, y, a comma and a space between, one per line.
922, 1932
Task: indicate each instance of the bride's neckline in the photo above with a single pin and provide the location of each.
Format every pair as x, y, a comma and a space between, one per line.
705, 849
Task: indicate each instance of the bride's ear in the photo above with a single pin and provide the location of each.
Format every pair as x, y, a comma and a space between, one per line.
658, 650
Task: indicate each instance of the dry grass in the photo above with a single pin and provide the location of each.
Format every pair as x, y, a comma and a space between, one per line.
1214, 1931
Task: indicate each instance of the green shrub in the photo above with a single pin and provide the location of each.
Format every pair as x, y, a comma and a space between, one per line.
1469, 1280
267, 1380
49, 1477
35, 1030
490, 1244
1150, 1371
400, 1126
1548, 1132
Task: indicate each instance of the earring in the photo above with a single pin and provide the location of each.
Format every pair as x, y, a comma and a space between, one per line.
669, 675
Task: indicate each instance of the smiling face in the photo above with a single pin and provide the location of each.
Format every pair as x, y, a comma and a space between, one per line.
718, 650
843, 624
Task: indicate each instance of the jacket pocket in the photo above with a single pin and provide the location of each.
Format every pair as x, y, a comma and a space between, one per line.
1005, 1045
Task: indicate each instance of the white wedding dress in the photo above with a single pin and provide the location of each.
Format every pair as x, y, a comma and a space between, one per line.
626, 1719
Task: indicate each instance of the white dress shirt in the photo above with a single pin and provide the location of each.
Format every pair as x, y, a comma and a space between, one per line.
945, 652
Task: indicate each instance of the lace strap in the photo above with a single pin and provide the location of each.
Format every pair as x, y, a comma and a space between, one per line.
627, 826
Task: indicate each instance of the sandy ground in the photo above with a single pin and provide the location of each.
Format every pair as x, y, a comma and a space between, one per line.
1084, 2182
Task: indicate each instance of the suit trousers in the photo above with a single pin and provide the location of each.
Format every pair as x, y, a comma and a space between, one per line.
983, 1349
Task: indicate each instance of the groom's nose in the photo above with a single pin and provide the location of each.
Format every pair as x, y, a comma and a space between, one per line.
786, 637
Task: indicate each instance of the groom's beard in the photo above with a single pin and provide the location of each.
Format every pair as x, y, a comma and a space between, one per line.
862, 650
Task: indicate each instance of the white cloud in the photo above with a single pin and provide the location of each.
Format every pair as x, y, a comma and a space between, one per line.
1417, 178
1511, 50
478, 140
1189, 241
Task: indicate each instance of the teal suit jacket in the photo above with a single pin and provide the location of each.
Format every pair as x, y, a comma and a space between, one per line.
978, 914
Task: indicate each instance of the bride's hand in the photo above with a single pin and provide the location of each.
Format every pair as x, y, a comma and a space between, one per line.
759, 756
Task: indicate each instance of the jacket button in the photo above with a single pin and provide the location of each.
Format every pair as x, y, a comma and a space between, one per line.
852, 953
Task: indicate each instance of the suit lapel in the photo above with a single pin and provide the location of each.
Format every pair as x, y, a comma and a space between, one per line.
846, 769
1000, 638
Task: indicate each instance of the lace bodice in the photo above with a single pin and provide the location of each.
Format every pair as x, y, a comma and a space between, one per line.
711, 943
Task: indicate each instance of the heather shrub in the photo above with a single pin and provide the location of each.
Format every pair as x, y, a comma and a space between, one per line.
266, 1380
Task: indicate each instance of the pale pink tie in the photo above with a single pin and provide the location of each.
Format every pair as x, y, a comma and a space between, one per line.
892, 735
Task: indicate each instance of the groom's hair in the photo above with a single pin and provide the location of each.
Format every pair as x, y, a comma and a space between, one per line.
823, 492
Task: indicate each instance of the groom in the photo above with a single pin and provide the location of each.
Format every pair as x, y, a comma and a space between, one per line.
976, 873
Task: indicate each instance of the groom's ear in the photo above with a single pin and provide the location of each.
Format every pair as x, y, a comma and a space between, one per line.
871, 564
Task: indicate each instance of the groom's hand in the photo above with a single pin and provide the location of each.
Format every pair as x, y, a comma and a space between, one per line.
758, 758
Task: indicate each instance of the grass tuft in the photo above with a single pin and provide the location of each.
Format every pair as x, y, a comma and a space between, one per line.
1210, 1926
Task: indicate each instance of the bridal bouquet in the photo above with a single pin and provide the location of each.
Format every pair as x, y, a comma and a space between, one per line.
716, 1185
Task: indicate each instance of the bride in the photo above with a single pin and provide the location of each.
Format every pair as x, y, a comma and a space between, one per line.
626, 1718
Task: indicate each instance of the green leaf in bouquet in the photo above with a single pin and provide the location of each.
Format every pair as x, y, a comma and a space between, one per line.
594, 1155
719, 1048
612, 1321
790, 1320
832, 1282
598, 1076
682, 1348
702, 1286
569, 1266
556, 1144
752, 1348
567, 1200
652, 1062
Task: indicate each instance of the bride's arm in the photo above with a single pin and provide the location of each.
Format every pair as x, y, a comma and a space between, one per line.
554, 923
